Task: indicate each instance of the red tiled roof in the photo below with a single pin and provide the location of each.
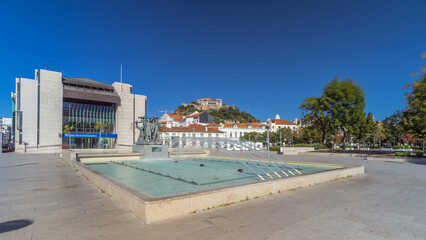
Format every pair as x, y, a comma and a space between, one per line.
190, 128
213, 124
283, 122
176, 117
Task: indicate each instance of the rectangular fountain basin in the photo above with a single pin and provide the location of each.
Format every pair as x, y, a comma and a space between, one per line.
161, 189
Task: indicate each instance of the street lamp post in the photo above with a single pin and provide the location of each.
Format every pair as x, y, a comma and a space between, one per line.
268, 136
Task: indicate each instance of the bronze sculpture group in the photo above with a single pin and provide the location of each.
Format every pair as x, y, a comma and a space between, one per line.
149, 131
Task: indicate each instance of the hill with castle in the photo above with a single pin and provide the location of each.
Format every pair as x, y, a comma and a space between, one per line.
220, 111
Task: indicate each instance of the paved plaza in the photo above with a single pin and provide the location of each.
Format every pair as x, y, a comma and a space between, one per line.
41, 197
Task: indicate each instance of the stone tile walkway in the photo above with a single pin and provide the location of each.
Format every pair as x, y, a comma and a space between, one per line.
43, 198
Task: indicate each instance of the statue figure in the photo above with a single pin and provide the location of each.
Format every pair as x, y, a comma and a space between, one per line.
149, 131
155, 129
141, 137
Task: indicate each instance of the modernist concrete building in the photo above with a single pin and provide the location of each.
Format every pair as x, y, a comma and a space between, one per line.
54, 112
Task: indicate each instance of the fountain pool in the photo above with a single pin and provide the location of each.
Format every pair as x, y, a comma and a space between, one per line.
172, 176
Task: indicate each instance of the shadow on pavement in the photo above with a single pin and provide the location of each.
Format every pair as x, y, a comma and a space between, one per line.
421, 161
14, 225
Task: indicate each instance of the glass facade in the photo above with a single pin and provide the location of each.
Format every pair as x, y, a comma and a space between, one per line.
95, 120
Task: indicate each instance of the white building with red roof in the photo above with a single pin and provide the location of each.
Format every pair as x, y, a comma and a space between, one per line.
278, 123
234, 131
193, 130
171, 120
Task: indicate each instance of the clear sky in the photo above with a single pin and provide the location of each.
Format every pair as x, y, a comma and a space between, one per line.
262, 56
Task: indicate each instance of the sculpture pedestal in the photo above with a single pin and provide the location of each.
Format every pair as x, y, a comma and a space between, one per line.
152, 151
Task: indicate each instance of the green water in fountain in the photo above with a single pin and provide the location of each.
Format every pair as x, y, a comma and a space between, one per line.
172, 176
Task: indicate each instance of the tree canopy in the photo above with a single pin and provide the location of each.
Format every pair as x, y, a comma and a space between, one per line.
316, 117
340, 108
414, 115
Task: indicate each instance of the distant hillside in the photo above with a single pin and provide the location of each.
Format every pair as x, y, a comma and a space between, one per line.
232, 115
185, 110
224, 114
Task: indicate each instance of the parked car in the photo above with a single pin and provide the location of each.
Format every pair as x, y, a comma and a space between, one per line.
8, 147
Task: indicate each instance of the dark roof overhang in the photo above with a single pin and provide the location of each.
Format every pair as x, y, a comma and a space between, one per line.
92, 96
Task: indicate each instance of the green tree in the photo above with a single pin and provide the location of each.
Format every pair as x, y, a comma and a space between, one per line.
68, 128
414, 116
254, 137
346, 103
371, 127
366, 128
312, 134
231, 114
102, 126
286, 134
392, 127
380, 133
360, 131
185, 110
315, 117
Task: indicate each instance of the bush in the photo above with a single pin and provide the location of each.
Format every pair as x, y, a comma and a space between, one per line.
398, 153
407, 154
301, 145
419, 154
319, 146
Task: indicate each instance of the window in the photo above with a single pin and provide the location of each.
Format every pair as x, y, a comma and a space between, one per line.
230, 134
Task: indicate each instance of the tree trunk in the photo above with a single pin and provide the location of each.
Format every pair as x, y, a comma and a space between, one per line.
323, 137
344, 140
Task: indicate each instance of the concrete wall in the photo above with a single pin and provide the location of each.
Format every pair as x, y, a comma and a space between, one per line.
29, 113
131, 107
51, 98
50, 113
297, 150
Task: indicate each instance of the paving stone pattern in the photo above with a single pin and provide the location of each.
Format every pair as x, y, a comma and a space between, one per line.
43, 198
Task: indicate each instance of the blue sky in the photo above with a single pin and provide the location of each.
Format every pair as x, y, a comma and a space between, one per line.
262, 56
